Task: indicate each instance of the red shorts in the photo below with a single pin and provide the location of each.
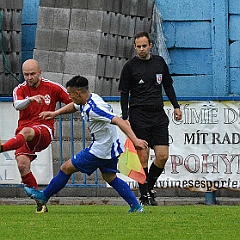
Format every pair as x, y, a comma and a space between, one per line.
41, 140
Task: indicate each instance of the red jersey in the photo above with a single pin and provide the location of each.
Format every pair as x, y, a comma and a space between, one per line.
52, 92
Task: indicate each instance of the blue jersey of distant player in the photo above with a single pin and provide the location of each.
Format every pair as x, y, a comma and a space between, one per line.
106, 143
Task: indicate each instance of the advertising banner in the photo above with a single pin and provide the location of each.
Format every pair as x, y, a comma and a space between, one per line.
41, 167
204, 150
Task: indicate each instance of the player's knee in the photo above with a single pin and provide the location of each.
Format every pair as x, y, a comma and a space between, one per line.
162, 157
161, 161
109, 177
68, 168
28, 133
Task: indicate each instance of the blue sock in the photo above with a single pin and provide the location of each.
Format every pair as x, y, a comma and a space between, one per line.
56, 184
124, 191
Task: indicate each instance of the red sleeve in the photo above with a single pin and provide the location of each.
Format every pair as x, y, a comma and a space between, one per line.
63, 95
18, 93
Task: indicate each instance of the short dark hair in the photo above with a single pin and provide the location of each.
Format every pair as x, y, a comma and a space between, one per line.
142, 34
78, 82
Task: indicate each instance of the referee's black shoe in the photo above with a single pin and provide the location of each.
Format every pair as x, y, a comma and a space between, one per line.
152, 200
144, 200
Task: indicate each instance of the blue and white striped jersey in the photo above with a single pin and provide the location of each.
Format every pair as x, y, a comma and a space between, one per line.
106, 143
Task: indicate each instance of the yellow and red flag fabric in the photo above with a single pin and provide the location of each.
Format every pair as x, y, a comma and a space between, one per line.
129, 163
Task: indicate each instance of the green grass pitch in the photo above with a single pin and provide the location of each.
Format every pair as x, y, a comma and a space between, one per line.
89, 222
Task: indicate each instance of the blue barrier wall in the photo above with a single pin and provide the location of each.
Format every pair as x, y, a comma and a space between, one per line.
203, 39
29, 25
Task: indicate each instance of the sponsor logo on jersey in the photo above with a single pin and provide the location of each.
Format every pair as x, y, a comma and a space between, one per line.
47, 99
141, 82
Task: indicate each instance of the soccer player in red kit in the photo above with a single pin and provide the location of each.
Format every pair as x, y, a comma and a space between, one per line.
33, 133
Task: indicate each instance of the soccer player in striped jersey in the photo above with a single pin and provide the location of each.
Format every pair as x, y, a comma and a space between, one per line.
104, 149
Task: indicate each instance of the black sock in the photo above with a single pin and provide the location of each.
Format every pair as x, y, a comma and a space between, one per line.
153, 175
143, 188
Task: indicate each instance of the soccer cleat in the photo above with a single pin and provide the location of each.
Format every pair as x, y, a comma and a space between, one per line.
36, 195
144, 200
41, 208
137, 209
152, 200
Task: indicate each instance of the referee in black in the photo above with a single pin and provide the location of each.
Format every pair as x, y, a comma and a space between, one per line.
141, 82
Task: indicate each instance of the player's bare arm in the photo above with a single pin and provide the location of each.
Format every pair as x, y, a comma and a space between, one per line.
125, 127
47, 115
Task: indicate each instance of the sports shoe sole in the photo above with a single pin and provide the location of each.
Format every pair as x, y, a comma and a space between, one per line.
43, 210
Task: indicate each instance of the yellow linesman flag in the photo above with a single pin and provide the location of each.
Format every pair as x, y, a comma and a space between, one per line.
129, 163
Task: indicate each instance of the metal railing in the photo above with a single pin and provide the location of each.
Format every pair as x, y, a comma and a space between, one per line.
95, 174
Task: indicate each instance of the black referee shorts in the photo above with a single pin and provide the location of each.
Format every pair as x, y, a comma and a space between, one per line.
151, 126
